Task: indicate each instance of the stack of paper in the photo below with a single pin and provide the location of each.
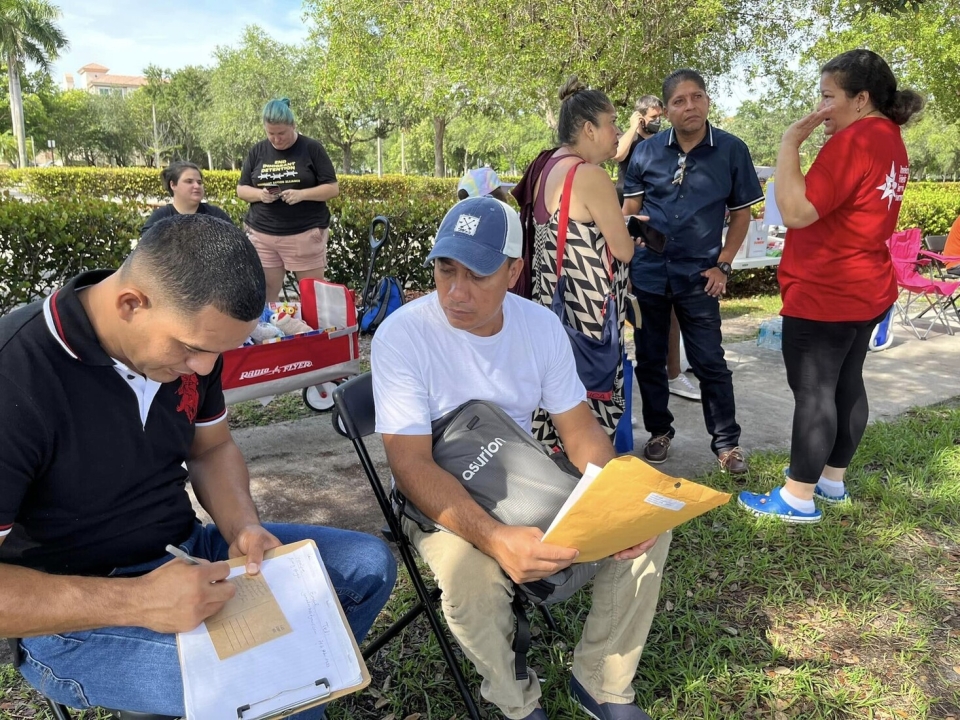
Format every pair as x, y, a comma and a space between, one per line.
624, 504
282, 642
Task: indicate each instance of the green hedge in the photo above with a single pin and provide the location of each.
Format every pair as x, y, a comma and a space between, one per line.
42, 244
45, 242
36, 235
932, 207
221, 185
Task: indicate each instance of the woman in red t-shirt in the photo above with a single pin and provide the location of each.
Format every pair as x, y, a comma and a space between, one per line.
836, 276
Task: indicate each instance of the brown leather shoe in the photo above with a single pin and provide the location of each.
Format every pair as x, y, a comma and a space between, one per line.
655, 451
732, 461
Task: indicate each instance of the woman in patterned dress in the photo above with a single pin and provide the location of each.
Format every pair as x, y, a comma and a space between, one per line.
598, 249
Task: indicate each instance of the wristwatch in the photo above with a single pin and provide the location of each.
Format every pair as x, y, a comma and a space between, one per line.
725, 268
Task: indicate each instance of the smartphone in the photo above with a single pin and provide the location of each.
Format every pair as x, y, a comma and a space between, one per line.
272, 189
652, 238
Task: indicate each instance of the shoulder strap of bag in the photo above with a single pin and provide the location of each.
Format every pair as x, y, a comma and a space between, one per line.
564, 216
564, 220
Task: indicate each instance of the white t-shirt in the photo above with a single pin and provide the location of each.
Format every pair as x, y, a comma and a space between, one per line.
423, 367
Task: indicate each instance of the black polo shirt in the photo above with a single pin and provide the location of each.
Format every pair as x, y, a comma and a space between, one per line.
91, 461
719, 176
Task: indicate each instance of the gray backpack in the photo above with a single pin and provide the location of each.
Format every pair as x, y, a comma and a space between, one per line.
514, 478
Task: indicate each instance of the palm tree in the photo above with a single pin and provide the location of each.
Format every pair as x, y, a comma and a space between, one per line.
28, 31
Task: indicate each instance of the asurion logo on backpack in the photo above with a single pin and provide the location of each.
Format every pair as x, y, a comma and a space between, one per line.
486, 452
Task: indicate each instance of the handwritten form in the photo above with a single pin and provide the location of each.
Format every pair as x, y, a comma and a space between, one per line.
264, 668
250, 618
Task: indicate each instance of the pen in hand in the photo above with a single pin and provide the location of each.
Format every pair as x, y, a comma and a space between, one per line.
178, 553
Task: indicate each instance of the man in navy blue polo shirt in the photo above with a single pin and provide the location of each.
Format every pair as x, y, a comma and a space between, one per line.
685, 180
107, 388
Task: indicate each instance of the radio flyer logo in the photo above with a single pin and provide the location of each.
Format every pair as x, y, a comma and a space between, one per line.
277, 370
189, 397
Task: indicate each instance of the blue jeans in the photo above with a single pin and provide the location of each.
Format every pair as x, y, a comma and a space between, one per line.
132, 668
699, 318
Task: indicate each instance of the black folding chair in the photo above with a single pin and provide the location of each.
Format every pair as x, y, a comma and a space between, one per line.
354, 417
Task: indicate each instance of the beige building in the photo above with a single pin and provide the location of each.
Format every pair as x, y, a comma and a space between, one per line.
96, 79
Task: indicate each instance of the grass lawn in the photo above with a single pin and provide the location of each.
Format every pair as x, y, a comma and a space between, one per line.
757, 307
858, 617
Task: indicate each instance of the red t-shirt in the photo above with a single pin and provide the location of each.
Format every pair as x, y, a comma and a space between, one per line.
838, 269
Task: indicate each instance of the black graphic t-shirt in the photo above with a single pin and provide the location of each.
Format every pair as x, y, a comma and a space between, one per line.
305, 164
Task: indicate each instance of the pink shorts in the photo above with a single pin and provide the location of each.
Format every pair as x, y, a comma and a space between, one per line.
302, 251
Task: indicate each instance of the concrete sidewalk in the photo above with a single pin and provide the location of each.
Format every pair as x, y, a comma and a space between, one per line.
303, 472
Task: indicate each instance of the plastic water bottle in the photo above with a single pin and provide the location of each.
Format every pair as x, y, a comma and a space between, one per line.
771, 334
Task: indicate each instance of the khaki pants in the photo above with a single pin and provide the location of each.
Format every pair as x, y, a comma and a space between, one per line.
476, 597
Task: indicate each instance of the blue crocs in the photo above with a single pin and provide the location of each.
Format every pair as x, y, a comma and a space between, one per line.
819, 494
772, 505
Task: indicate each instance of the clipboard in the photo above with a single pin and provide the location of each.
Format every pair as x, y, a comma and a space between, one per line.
276, 671
625, 504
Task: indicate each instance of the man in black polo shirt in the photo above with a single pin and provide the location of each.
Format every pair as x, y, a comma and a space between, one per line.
685, 180
106, 388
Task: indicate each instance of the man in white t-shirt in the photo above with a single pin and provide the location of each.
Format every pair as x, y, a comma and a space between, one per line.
471, 340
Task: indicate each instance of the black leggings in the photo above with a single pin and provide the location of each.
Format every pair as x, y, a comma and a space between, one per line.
824, 362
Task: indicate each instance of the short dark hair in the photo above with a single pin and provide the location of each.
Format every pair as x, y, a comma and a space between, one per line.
646, 102
579, 104
197, 261
173, 171
678, 76
856, 71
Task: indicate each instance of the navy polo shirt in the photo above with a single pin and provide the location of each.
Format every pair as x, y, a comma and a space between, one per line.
719, 176
91, 461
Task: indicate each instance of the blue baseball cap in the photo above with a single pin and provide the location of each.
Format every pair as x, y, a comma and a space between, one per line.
480, 233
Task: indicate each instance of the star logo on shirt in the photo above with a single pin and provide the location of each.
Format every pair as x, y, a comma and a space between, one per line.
889, 187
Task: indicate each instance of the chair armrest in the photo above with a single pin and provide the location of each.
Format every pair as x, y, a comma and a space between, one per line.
938, 257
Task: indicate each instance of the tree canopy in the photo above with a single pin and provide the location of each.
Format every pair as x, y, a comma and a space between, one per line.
438, 86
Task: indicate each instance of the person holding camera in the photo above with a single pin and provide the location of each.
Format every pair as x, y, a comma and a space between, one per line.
287, 179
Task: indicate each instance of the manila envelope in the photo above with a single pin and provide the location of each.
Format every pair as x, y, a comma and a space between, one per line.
627, 503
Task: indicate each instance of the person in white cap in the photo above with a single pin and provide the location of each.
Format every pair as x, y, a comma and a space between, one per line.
472, 340
483, 181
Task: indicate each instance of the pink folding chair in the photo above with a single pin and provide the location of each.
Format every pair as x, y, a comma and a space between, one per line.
933, 296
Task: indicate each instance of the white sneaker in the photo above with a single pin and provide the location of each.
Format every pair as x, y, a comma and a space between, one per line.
681, 386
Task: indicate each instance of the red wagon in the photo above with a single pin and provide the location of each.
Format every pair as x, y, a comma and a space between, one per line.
313, 361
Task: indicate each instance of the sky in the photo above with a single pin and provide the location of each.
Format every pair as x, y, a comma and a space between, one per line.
128, 35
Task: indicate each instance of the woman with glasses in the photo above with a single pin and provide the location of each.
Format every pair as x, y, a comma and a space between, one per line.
597, 247
836, 276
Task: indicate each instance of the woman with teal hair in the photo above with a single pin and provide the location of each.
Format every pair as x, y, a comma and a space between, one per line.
287, 179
